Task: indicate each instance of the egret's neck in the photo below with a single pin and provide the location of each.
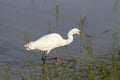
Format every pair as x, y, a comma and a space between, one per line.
70, 37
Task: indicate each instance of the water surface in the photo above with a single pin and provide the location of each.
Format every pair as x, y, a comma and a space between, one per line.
32, 16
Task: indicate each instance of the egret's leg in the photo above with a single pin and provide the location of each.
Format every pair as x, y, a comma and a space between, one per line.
44, 56
55, 53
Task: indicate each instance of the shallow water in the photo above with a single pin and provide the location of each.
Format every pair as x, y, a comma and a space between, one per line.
31, 16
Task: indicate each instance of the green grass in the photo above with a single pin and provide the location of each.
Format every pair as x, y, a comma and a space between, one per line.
103, 67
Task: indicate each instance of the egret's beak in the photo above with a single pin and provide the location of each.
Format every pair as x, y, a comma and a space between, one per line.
79, 32
84, 34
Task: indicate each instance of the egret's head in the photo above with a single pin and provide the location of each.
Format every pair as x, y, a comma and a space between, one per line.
76, 31
29, 46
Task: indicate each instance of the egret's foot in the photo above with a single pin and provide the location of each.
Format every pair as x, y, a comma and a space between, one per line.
55, 58
44, 60
44, 57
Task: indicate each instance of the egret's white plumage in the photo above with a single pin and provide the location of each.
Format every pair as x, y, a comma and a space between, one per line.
51, 41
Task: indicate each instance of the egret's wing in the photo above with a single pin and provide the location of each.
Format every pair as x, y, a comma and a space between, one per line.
49, 41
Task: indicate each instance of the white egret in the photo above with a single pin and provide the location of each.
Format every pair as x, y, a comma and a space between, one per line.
51, 41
